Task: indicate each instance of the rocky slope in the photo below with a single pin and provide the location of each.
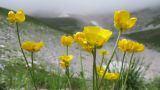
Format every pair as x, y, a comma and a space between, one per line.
49, 55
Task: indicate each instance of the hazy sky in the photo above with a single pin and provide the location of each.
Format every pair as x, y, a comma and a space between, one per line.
82, 7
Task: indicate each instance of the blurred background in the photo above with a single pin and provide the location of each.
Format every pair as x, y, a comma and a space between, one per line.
74, 14
47, 20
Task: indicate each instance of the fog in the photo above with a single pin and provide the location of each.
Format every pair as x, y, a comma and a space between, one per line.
49, 8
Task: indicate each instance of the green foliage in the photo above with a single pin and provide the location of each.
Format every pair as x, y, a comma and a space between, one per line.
154, 84
135, 79
15, 75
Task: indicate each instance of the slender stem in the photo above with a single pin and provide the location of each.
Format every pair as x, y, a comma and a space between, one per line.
102, 61
122, 67
69, 83
128, 71
32, 64
123, 58
113, 86
68, 77
32, 59
67, 50
67, 71
67, 68
95, 77
114, 49
19, 40
82, 70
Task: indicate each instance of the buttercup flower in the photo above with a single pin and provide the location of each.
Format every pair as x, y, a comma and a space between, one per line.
32, 46
17, 17
122, 20
97, 36
108, 75
79, 37
87, 47
130, 46
112, 76
103, 52
67, 40
65, 60
100, 70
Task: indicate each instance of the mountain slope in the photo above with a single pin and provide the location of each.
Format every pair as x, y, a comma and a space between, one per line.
31, 29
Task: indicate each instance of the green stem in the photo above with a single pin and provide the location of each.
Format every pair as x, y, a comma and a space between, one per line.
128, 71
67, 68
102, 61
82, 70
114, 49
32, 58
122, 67
19, 41
67, 71
113, 86
122, 64
67, 50
95, 77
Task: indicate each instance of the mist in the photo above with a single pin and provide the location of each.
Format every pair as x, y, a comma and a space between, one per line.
52, 8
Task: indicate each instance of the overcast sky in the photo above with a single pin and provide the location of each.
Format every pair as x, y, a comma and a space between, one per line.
80, 7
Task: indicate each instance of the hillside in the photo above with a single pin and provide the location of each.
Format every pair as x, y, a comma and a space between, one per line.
35, 30
66, 24
31, 29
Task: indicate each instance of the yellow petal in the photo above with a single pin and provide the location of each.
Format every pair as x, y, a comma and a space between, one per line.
32, 46
122, 20
20, 16
38, 46
131, 22
28, 45
121, 16
66, 40
96, 35
11, 17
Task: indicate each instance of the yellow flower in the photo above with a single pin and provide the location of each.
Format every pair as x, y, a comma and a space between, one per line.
103, 52
108, 75
11, 17
32, 46
100, 71
80, 37
122, 20
112, 76
97, 36
87, 47
65, 60
17, 17
66, 40
130, 46
20, 16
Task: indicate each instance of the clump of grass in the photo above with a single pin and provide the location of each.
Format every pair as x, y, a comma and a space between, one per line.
15, 76
135, 79
154, 84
